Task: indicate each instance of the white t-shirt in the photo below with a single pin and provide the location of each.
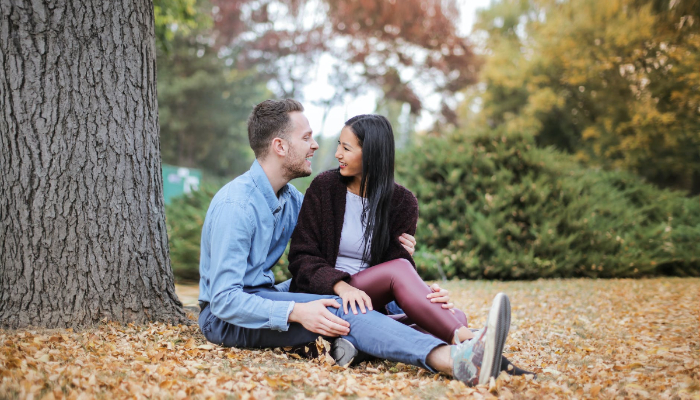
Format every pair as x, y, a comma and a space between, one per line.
351, 238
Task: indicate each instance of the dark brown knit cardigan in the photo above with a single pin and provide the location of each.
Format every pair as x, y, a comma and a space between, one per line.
316, 238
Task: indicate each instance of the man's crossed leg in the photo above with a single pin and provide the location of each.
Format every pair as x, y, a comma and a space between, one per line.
375, 334
372, 333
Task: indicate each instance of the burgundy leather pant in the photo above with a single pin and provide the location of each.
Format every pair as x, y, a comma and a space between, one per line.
398, 280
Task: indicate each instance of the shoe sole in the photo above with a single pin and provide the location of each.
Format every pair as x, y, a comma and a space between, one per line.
498, 325
343, 352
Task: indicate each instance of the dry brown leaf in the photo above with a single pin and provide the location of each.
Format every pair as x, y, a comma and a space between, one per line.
626, 350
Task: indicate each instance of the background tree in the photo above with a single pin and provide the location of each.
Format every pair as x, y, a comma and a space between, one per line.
176, 17
614, 81
82, 228
210, 76
385, 44
204, 104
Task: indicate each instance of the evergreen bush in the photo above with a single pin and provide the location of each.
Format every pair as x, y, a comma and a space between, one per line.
184, 217
498, 207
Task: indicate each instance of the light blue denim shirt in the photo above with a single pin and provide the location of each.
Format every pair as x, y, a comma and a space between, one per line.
245, 232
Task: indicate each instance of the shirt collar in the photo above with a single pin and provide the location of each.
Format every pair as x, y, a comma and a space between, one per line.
263, 184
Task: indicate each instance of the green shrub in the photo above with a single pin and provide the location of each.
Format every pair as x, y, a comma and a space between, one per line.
184, 220
184, 217
499, 207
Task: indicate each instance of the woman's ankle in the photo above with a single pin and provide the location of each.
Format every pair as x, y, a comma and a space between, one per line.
464, 334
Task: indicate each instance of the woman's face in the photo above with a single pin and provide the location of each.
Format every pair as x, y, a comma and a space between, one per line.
349, 154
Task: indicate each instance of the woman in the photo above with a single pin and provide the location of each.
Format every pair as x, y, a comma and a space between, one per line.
348, 237
352, 219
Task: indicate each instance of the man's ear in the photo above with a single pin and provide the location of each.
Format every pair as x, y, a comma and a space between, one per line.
279, 147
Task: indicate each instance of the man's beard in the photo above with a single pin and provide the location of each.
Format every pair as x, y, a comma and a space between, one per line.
295, 166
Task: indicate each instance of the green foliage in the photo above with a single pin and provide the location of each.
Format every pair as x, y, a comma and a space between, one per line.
173, 16
203, 107
613, 81
496, 206
281, 269
184, 218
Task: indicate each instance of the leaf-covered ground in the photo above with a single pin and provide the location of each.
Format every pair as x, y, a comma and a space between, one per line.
585, 338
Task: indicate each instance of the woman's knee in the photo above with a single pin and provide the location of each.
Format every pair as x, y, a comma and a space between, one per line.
401, 272
461, 317
401, 266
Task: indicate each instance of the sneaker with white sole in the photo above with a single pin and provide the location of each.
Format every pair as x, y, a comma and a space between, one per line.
343, 352
477, 360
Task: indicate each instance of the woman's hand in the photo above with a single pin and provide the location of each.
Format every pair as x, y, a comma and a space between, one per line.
440, 295
408, 242
352, 295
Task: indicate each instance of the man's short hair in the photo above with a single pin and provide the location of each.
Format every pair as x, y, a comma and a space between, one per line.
270, 119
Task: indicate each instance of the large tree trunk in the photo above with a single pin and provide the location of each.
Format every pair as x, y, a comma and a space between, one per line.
82, 224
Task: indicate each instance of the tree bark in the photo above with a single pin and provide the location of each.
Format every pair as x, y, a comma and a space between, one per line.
82, 224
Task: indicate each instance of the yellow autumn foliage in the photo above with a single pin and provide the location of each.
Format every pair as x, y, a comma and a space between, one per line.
615, 82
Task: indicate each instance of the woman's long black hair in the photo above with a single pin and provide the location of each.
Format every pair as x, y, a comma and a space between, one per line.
376, 138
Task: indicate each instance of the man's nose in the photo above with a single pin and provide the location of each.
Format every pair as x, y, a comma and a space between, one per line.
314, 145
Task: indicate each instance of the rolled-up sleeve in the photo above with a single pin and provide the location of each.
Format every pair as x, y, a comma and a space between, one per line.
231, 240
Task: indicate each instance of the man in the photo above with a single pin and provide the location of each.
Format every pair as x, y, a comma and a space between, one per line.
246, 229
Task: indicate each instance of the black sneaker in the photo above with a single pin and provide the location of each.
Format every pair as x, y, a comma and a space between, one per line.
511, 369
343, 352
308, 350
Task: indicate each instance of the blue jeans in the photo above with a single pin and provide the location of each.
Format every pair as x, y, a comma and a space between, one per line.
372, 333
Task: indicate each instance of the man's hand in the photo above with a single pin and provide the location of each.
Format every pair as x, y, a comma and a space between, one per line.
316, 318
408, 242
440, 295
352, 295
